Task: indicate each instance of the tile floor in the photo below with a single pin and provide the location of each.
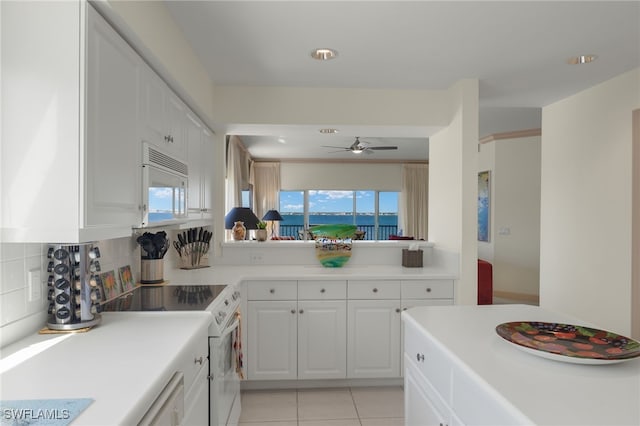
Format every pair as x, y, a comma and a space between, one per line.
356, 406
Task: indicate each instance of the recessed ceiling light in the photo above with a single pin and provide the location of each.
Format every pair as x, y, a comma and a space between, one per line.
323, 54
328, 130
282, 140
582, 59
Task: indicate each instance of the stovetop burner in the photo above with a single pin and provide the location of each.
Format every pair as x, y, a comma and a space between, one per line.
165, 298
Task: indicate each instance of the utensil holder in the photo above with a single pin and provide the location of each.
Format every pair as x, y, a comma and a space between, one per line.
412, 258
151, 271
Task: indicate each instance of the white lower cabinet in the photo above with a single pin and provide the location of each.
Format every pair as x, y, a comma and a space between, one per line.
272, 340
196, 400
422, 406
373, 338
291, 339
322, 339
332, 329
373, 329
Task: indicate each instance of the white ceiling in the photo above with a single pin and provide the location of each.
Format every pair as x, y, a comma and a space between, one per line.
518, 51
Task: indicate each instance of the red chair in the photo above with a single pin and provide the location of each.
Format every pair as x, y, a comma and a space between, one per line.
485, 282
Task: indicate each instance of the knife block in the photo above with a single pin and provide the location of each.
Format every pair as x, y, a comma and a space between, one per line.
195, 262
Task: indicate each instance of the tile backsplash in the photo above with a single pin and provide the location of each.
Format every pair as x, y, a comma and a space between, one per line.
23, 282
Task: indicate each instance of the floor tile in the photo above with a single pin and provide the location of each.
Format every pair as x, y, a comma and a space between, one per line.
382, 422
379, 402
276, 423
325, 404
265, 406
338, 422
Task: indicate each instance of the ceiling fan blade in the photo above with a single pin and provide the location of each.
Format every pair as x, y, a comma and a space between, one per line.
337, 147
383, 148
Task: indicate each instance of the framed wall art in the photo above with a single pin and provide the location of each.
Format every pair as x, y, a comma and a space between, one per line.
484, 205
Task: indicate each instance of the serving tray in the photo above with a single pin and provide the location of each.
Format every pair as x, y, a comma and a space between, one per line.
569, 343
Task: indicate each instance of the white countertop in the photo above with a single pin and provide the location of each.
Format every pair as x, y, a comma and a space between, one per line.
123, 363
230, 274
546, 391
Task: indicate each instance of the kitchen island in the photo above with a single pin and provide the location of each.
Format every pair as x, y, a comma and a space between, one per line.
122, 365
459, 371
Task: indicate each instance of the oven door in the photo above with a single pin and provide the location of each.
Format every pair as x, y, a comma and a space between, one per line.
224, 402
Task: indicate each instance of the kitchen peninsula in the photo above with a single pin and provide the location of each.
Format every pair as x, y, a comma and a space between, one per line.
459, 371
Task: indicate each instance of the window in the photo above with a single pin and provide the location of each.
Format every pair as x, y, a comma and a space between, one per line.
375, 213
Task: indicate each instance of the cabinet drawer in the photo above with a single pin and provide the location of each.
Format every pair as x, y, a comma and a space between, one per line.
193, 358
374, 289
322, 289
429, 359
272, 290
427, 289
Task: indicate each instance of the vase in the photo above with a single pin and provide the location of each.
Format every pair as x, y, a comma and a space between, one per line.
238, 231
261, 234
333, 253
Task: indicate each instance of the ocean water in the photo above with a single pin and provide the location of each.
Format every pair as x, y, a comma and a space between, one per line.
297, 219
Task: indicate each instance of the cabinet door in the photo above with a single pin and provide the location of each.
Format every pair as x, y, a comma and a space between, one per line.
196, 411
152, 98
373, 348
176, 116
322, 339
272, 340
419, 408
112, 167
208, 150
193, 131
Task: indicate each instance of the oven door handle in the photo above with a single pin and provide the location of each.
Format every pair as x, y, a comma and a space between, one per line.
230, 328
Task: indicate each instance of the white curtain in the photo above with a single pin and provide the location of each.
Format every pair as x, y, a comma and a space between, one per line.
414, 200
265, 178
237, 172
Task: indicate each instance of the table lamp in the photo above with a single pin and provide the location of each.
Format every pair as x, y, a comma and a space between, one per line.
273, 215
239, 219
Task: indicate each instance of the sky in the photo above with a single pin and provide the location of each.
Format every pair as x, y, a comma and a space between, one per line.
337, 201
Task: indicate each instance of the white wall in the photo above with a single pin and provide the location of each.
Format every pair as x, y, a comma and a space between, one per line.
339, 176
453, 186
585, 262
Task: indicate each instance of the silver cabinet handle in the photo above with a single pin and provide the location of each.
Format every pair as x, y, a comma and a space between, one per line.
420, 357
199, 360
428, 289
302, 311
322, 290
293, 311
273, 290
375, 290
398, 310
404, 309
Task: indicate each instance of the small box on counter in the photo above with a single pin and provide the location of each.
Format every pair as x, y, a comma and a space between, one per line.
412, 258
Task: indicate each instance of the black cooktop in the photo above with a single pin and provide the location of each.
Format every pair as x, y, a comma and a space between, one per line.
165, 298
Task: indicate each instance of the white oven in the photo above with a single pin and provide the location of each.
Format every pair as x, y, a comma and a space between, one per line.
225, 359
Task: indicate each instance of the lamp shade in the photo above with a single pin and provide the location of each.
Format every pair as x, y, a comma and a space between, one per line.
272, 215
241, 214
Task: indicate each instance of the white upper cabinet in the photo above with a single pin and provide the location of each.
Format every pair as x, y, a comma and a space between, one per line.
69, 125
163, 116
200, 159
112, 145
77, 102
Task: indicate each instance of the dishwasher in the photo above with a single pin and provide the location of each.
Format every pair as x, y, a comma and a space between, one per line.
168, 408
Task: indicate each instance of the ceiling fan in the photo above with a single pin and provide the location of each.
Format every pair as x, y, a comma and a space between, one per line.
359, 147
